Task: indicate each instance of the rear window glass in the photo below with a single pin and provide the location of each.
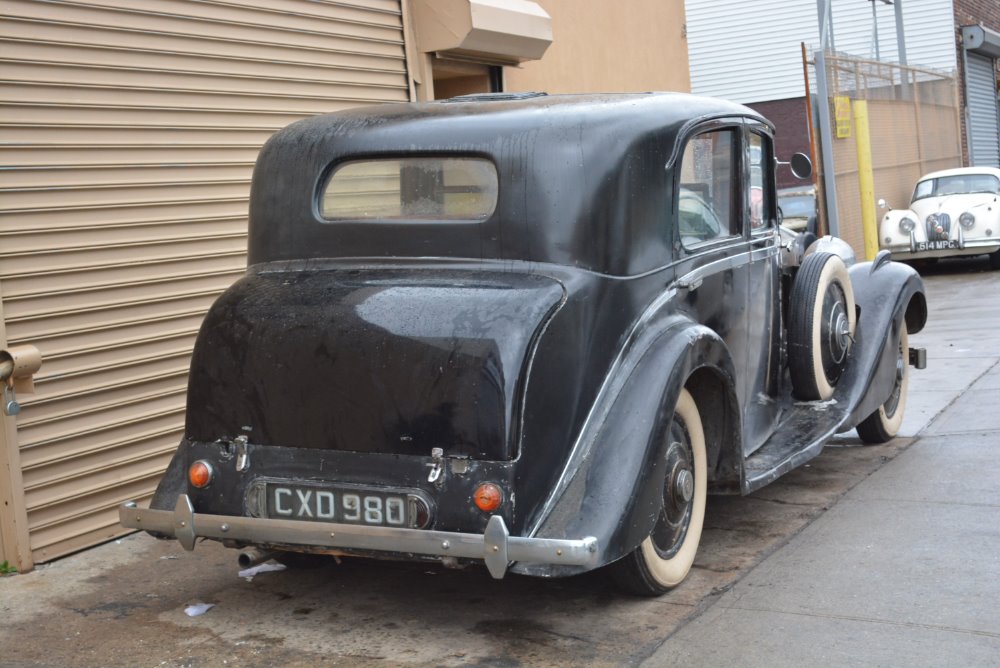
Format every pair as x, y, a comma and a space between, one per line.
424, 188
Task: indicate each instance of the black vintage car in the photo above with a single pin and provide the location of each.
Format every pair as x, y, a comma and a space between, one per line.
534, 331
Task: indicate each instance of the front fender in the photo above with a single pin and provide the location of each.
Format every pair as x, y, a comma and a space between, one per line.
887, 295
892, 236
611, 485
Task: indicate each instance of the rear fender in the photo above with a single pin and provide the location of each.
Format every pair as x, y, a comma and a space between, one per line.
174, 480
887, 294
171, 485
611, 486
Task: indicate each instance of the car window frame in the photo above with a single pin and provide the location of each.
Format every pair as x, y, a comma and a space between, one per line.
734, 125
768, 182
325, 174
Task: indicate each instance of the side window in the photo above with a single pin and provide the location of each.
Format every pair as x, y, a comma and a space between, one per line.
760, 165
706, 199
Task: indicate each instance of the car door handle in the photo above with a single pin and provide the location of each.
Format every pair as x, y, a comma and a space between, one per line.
689, 282
692, 279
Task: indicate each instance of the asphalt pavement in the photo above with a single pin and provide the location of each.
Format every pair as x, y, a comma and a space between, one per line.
882, 555
905, 569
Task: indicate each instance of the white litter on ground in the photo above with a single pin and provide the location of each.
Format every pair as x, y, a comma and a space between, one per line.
248, 573
198, 609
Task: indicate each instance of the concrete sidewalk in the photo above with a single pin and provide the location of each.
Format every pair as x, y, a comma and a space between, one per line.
905, 569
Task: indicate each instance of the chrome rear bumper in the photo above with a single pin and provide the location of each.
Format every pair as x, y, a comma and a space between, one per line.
495, 546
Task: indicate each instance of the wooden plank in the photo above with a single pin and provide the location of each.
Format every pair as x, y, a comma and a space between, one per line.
14, 539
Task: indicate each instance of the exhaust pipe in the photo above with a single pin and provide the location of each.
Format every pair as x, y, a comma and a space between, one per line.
251, 556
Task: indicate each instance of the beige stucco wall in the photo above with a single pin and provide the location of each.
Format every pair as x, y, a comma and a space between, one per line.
607, 46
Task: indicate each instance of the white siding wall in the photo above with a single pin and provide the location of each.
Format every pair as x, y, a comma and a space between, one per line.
749, 51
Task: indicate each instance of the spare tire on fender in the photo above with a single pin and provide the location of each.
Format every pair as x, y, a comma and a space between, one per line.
821, 323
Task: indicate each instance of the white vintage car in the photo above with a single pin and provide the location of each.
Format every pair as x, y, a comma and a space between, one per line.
952, 212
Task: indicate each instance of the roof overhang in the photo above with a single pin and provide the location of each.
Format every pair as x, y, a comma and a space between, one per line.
501, 32
981, 40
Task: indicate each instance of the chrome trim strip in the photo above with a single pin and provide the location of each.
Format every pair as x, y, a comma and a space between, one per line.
495, 546
692, 279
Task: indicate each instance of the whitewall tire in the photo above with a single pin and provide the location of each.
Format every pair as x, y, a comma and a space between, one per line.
883, 424
664, 559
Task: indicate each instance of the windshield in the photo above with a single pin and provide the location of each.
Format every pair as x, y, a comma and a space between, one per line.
956, 185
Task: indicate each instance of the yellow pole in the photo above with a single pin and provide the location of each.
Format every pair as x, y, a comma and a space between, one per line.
866, 179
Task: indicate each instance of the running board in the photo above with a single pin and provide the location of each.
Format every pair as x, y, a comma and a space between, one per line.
804, 429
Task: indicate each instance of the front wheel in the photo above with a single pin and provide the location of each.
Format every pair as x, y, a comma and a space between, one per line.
995, 260
883, 424
663, 560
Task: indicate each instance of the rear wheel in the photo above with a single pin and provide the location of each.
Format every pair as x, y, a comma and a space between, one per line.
883, 425
821, 322
663, 560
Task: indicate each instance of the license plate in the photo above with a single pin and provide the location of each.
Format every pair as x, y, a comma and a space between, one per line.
943, 244
345, 505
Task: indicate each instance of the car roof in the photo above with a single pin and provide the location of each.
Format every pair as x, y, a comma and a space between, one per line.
587, 109
587, 171
962, 171
477, 122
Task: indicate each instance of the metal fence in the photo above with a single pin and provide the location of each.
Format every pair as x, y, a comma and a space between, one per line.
914, 122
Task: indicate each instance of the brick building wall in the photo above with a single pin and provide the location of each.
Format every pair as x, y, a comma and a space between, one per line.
972, 12
791, 133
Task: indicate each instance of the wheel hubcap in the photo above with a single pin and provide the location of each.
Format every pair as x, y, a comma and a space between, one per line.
684, 486
835, 332
892, 403
678, 494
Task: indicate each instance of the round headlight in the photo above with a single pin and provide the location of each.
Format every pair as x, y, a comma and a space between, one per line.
967, 220
907, 225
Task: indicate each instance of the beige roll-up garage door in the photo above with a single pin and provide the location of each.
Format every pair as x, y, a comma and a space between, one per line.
129, 135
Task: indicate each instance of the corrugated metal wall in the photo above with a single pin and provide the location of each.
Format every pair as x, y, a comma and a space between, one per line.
984, 115
129, 135
749, 51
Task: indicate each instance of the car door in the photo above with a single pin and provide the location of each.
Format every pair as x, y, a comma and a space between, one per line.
763, 364
712, 247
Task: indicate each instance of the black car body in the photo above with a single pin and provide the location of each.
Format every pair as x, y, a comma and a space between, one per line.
531, 323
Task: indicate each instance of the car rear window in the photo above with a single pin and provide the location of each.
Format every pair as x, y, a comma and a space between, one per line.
420, 189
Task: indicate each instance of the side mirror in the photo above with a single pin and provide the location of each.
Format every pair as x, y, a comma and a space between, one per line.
882, 204
801, 166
